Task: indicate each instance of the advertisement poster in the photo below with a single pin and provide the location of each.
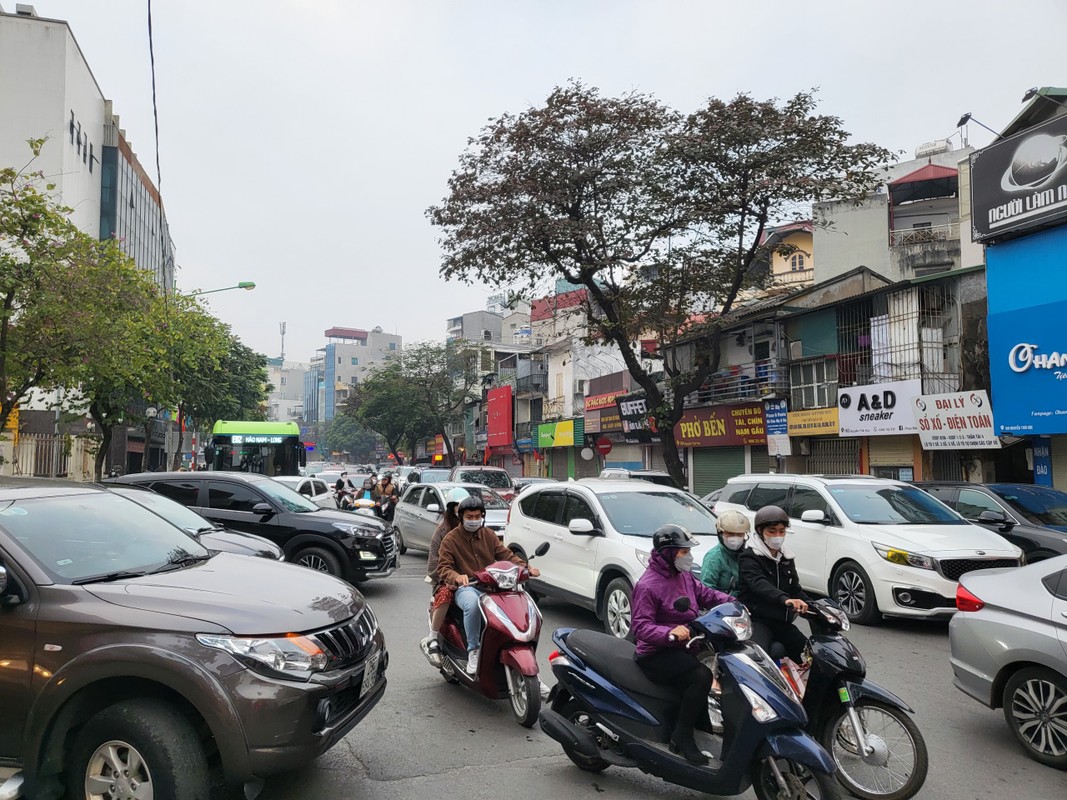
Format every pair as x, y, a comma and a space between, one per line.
956, 421
721, 426
499, 416
813, 422
633, 414
879, 409
556, 434
776, 414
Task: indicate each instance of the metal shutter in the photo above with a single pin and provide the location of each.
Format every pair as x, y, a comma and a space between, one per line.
714, 466
1059, 462
891, 451
761, 460
626, 456
560, 467
834, 457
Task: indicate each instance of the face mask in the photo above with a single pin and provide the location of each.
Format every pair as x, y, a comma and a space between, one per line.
733, 542
472, 525
775, 542
684, 563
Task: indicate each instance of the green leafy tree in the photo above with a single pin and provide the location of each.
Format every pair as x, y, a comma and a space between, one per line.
345, 433
657, 215
389, 403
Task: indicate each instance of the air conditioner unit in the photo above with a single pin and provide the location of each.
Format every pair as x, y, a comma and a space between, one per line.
579, 386
796, 350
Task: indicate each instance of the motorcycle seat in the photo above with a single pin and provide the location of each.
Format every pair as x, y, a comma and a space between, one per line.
614, 659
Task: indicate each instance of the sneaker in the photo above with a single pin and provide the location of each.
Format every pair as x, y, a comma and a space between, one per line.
472, 661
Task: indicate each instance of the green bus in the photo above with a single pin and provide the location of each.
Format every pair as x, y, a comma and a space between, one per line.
269, 448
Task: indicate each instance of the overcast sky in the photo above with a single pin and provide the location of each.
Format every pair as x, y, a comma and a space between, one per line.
302, 141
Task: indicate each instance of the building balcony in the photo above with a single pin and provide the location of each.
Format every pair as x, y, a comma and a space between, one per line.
534, 385
525, 430
554, 408
754, 380
796, 277
921, 251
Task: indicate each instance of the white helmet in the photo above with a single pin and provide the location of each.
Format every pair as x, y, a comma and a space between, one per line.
733, 522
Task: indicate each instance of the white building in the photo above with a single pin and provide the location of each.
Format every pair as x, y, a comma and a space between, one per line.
348, 357
286, 400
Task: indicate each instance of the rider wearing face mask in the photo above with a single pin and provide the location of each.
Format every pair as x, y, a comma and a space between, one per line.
464, 551
719, 569
655, 621
769, 585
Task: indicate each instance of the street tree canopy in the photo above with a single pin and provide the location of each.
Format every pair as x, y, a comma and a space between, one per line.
657, 215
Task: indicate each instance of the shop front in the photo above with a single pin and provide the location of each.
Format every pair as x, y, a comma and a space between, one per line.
817, 447
722, 441
603, 424
561, 444
882, 417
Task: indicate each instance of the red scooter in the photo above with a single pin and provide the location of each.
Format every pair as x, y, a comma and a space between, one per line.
511, 625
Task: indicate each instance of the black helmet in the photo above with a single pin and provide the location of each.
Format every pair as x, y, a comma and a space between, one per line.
769, 515
672, 536
471, 502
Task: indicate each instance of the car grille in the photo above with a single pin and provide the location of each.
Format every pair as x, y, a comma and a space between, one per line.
349, 643
389, 544
954, 567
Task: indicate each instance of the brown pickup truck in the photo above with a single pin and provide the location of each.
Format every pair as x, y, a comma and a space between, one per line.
132, 655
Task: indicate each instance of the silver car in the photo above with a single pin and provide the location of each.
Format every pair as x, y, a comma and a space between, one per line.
421, 506
1008, 646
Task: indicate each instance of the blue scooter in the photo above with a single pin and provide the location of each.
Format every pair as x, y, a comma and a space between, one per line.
604, 712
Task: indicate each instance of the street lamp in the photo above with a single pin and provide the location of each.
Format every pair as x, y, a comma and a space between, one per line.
249, 285
968, 118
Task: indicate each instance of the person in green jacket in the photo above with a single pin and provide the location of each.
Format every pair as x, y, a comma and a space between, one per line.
719, 568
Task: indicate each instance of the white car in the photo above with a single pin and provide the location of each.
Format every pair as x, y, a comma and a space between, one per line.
314, 489
875, 546
601, 537
421, 506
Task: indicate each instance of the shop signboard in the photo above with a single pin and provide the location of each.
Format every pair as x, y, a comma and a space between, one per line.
813, 422
776, 414
1042, 455
595, 402
721, 426
556, 434
1020, 183
878, 409
637, 423
1028, 368
956, 421
499, 413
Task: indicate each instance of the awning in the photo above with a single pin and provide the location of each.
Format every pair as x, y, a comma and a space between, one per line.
925, 183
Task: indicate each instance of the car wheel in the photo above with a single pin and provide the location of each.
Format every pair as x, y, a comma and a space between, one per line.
319, 559
853, 591
138, 748
1035, 707
401, 545
617, 608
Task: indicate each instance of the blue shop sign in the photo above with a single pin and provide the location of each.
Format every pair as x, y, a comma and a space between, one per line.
1042, 461
1028, 368
776, 417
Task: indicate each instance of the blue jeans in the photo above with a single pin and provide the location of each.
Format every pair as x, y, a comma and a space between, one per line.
466, 598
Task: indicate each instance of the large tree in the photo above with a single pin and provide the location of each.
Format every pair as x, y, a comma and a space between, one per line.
389, 403
658, 216
344, 433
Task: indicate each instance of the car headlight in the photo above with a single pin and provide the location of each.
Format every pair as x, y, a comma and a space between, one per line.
359, 531
897, 556
644, 558
290, 656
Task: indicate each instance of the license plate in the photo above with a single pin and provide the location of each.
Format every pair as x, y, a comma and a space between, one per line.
370, 674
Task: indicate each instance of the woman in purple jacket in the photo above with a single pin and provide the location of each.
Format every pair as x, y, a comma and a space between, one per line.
655, 621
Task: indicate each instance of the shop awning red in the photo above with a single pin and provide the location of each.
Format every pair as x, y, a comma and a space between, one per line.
925, 183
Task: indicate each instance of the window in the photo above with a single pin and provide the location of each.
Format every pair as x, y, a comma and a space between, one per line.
972, 503
768, 494
355, 361
338, 359
946, 494
549, 506
414, 495
922, 225
892, 505
231, 497
186, 492
814, 384
431, 498
283, 380
796, 263
804, 499
577, 508
735, 493
320, 487
392, 345
761, 351
91, 157
305, 489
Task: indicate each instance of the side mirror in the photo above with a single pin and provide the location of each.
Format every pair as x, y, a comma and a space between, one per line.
542, 549
9, 596
815, 516
263, 509
990, 517
581, 527
682, 604
433, 508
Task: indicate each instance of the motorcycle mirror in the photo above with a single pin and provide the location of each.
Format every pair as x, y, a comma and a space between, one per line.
542, 549
682, 604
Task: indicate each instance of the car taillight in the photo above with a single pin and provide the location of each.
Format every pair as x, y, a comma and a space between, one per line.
508, 520
965, 601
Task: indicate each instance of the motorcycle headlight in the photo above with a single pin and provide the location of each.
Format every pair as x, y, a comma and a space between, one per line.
359, 531
505, 578
741, 626
761, 709
895, 555
835, 615
291, 656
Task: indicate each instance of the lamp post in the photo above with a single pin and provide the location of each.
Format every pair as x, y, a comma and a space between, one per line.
248, 285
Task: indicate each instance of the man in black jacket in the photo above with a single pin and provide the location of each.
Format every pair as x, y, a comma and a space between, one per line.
770, 587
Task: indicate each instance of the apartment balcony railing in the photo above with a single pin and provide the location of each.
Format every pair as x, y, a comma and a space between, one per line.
749, 381
525, 430
554, 408
531, 385
794, 277
935, 233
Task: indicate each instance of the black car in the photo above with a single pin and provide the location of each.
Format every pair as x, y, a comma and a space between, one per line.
351, 546
1033, 518
209, 534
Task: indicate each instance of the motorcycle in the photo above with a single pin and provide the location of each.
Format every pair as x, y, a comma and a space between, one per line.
605, 711
511, 624
877, 748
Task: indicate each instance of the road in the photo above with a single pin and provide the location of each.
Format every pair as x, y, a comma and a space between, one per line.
431, 739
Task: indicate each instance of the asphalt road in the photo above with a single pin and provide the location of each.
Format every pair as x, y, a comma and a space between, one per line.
430, 739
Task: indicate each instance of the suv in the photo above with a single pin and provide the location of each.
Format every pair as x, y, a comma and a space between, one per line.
876, 546
496, 478
351, 546
658, 478
601, 536
134, 657
421, 509
1031, 517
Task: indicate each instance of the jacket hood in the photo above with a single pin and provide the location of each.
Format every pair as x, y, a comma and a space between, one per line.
662, 564
759, 547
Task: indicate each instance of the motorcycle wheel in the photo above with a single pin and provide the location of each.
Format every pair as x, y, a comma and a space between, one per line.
899, 745
803, 783
578, 716
525, 696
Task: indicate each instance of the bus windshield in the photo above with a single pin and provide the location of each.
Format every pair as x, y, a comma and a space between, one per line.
266, 448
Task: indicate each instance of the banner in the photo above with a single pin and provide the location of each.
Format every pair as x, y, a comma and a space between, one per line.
637, 425
879, 409
598, 401
556, 434
776, 414
721, 426
813, 422
956, 421
499, 413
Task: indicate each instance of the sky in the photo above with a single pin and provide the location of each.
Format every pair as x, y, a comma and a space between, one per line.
301, 142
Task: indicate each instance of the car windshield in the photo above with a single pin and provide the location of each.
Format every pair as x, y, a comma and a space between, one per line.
95, 535
1038, 504
640, 513
289, 499
172, 512
491, 499
433, 475
893, 505
659, 480
486, 477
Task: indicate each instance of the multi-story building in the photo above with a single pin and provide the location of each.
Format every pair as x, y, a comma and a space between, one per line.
286, 400
347, 358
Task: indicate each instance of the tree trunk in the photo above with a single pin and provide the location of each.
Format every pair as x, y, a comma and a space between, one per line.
106, 435
177, 460
448, 448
